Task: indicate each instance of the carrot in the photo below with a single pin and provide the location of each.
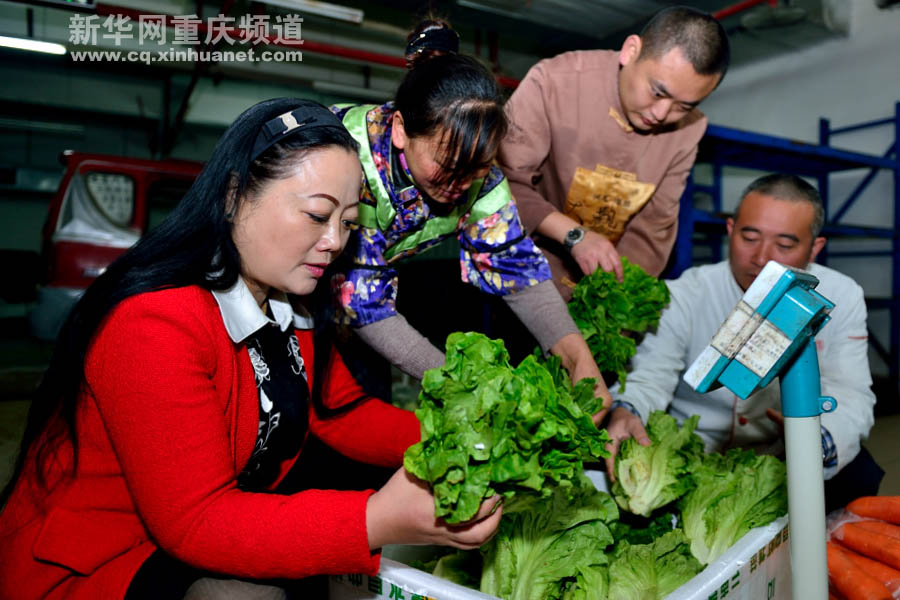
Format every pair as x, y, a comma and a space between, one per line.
888, 576
833, 594
886, 508
851, 581
880, 527
874, 545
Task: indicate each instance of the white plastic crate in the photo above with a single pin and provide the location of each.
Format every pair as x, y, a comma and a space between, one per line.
757, 567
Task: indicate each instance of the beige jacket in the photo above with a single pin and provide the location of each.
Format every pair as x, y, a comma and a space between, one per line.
560, 119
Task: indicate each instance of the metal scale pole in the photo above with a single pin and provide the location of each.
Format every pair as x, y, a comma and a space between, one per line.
801, 405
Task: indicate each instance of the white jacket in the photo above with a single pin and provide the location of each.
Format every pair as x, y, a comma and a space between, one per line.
701, 300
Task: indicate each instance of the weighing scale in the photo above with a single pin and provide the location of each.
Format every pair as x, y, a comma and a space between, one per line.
770, 334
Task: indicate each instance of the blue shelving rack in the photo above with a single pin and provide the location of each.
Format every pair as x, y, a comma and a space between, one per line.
726, 146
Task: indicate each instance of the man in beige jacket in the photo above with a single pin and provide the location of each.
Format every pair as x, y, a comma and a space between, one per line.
601, 144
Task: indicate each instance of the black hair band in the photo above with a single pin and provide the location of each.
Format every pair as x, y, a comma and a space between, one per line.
286, 124
441, 39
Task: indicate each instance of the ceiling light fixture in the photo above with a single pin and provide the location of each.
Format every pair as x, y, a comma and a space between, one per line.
32, 45
79, 5
324, 9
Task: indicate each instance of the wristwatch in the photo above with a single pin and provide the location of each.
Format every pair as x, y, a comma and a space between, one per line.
573, 236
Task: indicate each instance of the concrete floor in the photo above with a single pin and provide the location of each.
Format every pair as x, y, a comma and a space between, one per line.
883, 445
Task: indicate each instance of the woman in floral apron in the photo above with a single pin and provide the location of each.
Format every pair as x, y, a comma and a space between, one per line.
428, 163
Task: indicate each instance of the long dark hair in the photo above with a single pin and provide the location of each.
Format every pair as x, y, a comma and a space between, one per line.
192, 246
444, 91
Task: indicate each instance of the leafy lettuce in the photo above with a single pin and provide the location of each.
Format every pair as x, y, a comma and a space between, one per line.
603, 309
566, 540
648, 477
489, 428
644, 533
555, 550
462, 567
651, 571
734, 493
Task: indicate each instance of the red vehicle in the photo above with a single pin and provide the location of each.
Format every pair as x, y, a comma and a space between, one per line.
104, 204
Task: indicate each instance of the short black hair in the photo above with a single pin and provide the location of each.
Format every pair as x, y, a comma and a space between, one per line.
789, 188
698, 34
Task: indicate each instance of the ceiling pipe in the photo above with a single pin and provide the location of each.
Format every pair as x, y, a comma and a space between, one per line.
740, 7
311, 46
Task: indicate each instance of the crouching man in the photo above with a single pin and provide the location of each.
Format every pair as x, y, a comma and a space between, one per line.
779, 218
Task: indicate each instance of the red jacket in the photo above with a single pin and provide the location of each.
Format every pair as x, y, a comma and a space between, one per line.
167, 421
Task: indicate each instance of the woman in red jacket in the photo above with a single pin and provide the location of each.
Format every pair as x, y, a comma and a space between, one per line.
183, 387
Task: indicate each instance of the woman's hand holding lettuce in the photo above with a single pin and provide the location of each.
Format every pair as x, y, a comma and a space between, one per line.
488, 428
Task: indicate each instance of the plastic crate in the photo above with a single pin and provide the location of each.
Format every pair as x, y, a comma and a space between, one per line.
757, 567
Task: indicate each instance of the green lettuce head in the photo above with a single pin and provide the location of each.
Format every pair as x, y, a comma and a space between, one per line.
555, 550
648, 477
651, 571
488, 428
734, 493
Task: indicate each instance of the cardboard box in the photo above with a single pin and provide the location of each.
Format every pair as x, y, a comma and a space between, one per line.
757, 567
